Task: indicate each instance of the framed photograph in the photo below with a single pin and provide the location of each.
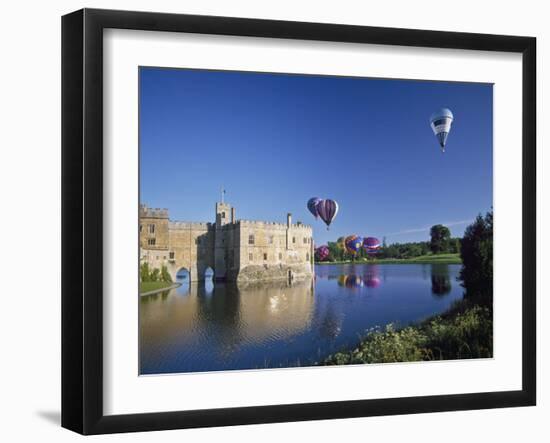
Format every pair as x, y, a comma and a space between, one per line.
269, 221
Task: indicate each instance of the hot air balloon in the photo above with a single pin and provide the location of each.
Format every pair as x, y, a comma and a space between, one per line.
327, 210
371, 243
312, 206
440, 122
353, 244
322, 253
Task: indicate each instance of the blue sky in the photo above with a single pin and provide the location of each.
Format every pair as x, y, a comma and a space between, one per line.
273, 141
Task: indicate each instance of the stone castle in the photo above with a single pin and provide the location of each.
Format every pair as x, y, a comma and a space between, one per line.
235, 250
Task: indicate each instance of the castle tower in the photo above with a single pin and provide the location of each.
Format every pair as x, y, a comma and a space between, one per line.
224, 215
153, 228
223, 211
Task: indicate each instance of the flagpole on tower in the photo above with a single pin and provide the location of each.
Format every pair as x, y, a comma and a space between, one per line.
223, 194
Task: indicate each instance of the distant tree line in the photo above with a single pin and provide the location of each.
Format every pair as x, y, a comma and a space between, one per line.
440, 242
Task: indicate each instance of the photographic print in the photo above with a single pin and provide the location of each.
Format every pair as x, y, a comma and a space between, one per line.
292, 220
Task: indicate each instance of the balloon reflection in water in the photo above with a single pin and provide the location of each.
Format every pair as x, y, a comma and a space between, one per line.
342, 279
370, 280
372, 277
353, 281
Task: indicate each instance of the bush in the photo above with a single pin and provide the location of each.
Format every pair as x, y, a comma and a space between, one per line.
165, 275
144, 272
464, 332
154, 275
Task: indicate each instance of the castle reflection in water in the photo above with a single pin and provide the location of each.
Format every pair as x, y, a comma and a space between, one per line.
205, 326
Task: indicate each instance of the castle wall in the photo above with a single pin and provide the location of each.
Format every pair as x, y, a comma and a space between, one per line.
153, 228
274, 251
192, 247
153, 236
237, 250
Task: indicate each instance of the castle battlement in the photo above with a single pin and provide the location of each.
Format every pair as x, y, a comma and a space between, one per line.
146, 212
258, 223
189, 225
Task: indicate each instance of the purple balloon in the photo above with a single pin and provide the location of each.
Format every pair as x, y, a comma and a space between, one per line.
312, 206
327, 210
371, 244
322, 253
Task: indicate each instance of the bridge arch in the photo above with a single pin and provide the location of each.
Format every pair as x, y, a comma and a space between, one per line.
182, 275
209, 276
209, 273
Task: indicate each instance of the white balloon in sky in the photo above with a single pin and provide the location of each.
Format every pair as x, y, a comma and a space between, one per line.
441, 121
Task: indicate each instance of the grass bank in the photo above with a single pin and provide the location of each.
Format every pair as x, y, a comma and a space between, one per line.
465, 331
148, 286
448, 259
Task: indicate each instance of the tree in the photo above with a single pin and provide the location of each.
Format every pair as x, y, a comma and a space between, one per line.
476, 251
165, 275
440, 238
454, 245
336, 253
144, 272
154, 275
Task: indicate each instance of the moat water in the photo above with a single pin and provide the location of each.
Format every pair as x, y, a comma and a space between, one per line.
212, 327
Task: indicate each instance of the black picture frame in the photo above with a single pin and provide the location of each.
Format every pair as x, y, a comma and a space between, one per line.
82, 218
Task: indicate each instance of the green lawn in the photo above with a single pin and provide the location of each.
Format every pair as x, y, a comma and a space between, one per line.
147, 286
426, 259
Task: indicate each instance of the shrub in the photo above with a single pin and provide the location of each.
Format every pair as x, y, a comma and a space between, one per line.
466, 331
154, 275
165, 275
144, 272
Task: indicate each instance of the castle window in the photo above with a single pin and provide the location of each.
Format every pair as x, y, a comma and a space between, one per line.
151, 229
223, 214
151, 241
307, 257
293, 239
250, 257
171, 255
305, 240
270, 239
251, 239
280, 256
265, 256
